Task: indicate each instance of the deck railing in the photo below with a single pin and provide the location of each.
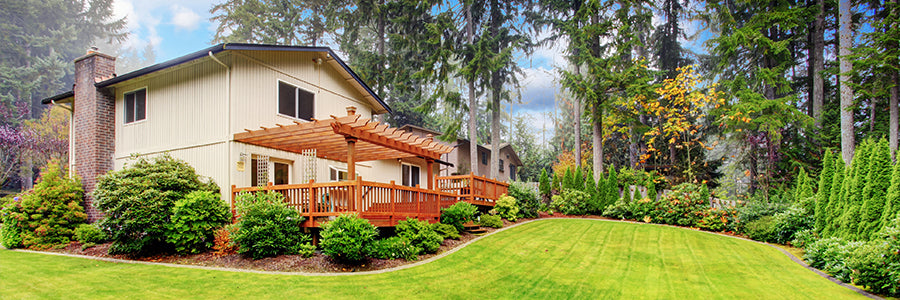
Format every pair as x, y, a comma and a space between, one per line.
473, 189
384, 204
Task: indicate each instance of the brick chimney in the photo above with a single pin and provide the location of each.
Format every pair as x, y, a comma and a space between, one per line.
94, 122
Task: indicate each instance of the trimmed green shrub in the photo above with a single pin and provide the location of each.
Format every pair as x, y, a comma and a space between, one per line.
835, 204
877, 182
420, 234
267, 226
824, 190
791, 221
892, 198
89, 234
571, 202
393, 248
507, 207
490, 221
446, 231
526, 198
619, 210
137, 201
346, 237
762, 229
195, 220
830, 255
458, 213
803, 238
45, 216
755, 209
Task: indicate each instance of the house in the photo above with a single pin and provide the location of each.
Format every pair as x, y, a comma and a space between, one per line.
295, 120
458, 162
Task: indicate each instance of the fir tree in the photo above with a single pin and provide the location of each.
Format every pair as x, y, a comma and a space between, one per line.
651, 190
704, 193
874, 194
825, 179
591, 189
612, 188
579, 180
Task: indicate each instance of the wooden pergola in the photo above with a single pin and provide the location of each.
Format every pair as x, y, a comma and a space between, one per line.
349, 139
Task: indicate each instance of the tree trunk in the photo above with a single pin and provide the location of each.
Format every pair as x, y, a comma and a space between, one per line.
473, 103
895, 90
380, 48
597, 130
847, 137
817, 64
577, 148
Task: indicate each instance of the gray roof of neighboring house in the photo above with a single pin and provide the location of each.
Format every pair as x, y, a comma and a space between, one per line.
219, 48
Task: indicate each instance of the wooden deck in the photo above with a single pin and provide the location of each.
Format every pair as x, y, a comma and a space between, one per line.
383, 204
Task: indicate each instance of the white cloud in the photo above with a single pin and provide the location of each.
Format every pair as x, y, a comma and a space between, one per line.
184, 18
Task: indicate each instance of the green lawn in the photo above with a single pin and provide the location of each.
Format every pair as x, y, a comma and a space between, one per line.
571, 258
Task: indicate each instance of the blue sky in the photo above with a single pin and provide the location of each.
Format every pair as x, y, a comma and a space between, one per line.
175, 28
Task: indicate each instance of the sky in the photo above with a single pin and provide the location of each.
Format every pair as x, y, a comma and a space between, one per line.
175, 28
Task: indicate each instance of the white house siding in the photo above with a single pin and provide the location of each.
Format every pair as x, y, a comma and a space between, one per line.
207, 160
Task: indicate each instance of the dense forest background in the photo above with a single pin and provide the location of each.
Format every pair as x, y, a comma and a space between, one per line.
779, 83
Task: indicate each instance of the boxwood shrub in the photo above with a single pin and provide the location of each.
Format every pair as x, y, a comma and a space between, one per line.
268, 227
446, 231
393, 248
420, 234
490, 221
346, 237
195, 220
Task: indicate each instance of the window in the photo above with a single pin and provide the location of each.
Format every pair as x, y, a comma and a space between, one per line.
501, 166
410, 175
484, 158
135, 106
512, 172
282, 173
337, 175
295, 102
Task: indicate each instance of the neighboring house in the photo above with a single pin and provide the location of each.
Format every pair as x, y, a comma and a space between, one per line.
458, 158
208, 108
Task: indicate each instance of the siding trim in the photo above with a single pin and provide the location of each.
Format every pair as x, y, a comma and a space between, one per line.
176, 149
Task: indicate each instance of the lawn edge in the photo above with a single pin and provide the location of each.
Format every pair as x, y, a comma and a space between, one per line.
446, 253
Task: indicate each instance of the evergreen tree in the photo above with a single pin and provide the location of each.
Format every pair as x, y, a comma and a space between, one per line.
579, 179
835, 202
704, 193
612, 188
892, 198
852, 191
651, 190
544, 185
874, 196
591, 187
825, 179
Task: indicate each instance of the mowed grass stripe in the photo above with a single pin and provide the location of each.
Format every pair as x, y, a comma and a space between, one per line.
565, 258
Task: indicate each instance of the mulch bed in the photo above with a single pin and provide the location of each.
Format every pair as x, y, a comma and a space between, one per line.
318, 263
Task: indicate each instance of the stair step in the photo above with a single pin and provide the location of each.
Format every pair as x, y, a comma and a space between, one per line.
478, 230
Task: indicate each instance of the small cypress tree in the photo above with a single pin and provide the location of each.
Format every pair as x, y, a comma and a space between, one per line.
591, 189
556, 184
892, 198
612, 187
825, 179
835, 205
651, 190
704, 193
544, 185
568, 179
874, 193
853, 197
578, 182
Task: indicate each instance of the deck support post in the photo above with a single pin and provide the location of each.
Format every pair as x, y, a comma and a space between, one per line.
430, 165
351, 157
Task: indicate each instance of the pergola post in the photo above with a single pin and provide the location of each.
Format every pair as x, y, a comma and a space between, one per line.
351, 158
430, 165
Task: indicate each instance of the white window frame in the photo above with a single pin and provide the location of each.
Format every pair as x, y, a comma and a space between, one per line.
297, 107
146, 106
419, 179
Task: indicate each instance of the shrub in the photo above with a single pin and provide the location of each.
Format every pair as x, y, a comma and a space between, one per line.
222, 243
45, 216
571, 202
544, 185
788, 222
528, 201
488, 220
420, 234
755, 209
445, 230
714, 219
457, 214
89, 234
346, 237
195, 220
804, 237
831, 256
619, 210
268, 228
507, 207
762, 229
138, 200
393, 248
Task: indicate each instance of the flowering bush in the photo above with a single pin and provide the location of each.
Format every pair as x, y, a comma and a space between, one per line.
393, 248
714, 219
45, 216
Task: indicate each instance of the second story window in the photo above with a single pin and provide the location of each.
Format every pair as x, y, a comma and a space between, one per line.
295, 102
501, 165
484, 158
135, 106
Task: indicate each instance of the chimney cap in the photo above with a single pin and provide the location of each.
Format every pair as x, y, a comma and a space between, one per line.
351, 110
